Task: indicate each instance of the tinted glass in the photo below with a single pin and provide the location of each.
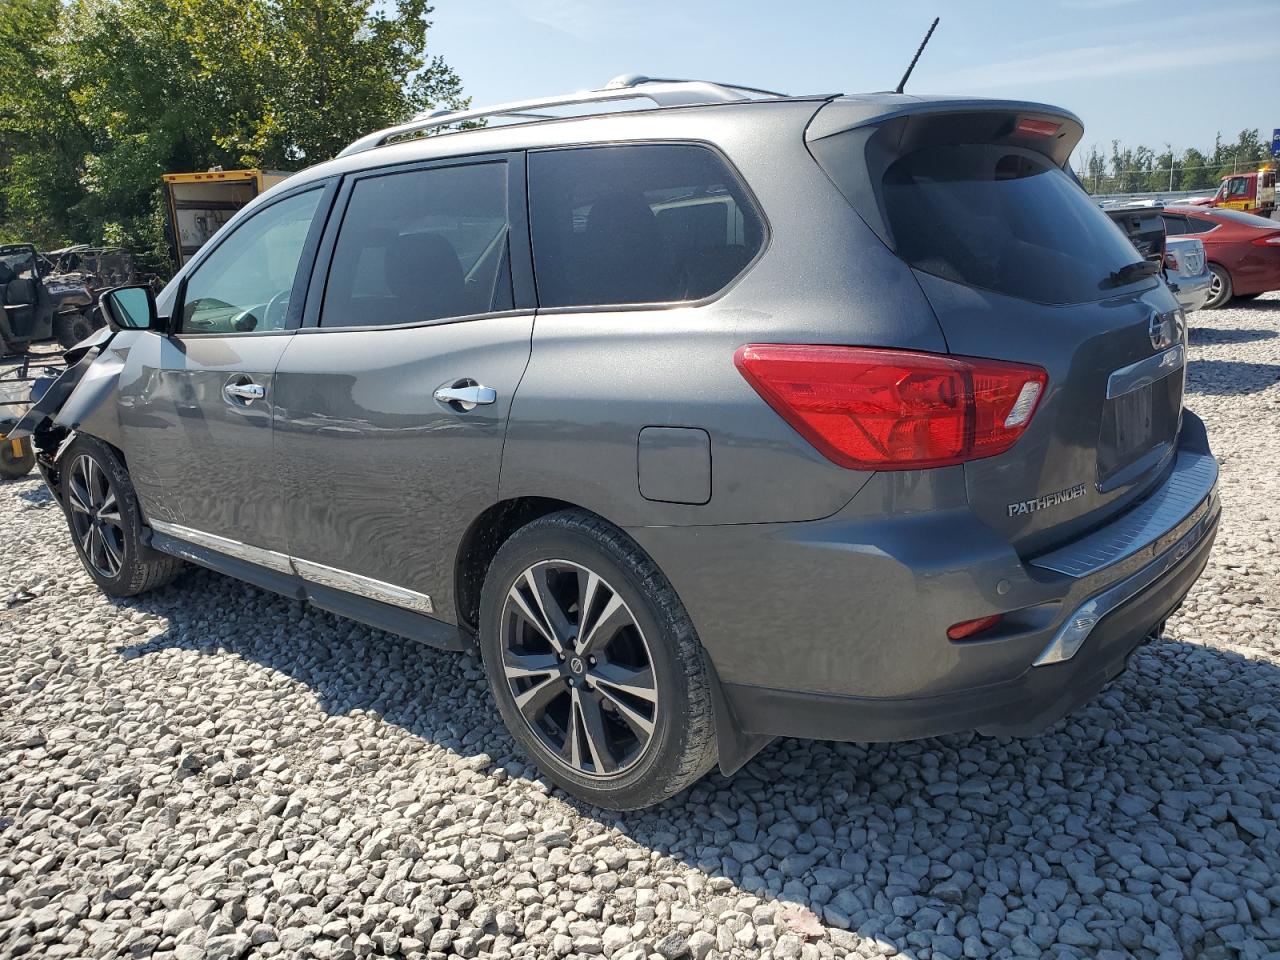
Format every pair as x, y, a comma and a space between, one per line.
1248, 219
1004, 219
1175, 226
243, 286
637, 224
1198, 225
421, 245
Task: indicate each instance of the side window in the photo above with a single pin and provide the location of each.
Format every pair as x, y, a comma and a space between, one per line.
649, 223
1174, 226
1196, 225
421, 245
1238, 187
244, 285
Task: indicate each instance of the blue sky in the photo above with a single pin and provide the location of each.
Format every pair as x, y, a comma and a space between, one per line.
1142, 71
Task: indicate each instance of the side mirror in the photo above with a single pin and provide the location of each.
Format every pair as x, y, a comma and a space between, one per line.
132, 308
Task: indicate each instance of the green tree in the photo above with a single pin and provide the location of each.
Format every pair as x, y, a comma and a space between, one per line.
139, 88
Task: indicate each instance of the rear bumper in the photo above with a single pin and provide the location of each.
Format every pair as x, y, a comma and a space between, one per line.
836, 629
1041, 696
1192, 292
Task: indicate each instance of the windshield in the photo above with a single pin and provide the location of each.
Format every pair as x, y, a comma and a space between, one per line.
1005, 219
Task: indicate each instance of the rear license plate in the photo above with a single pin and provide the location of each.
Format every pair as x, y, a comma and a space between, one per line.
1137, 423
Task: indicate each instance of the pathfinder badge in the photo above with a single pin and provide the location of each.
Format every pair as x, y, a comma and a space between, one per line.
1048, 500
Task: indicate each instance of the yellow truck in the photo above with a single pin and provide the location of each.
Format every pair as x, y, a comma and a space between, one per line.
199, 203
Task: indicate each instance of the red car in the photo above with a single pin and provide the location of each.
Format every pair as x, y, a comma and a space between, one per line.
1243, 249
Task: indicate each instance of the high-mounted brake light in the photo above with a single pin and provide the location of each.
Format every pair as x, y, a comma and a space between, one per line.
1028, 127
871, 409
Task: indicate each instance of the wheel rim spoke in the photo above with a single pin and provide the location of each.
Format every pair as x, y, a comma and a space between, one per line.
588, 709
620, 679
519, 665
546, 602
527, 613
533, 700
592, 704
612, 618
114, 555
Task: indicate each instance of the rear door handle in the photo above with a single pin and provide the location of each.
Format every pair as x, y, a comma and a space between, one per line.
467, 396
248, 392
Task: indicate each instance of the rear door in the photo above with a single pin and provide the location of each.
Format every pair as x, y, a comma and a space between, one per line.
196, 406
392, 401
1020, 264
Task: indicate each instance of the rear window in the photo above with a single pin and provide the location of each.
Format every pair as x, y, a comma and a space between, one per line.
1248, 219
646, 223
1004, 219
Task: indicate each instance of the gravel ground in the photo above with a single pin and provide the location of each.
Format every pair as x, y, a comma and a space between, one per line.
213, 771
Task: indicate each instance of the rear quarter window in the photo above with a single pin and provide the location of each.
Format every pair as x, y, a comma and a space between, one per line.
1004, 219
644, 223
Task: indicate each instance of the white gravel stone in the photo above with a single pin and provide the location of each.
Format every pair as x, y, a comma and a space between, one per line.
212, 771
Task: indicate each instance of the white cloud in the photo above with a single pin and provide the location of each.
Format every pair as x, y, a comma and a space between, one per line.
1093, 62
580, 19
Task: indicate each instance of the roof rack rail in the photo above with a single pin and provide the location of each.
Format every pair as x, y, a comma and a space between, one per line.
628, 86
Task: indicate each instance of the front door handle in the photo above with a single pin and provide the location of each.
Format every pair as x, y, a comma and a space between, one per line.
466, 394
248, 392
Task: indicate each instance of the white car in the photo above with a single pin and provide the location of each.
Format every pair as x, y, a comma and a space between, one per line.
1186, 271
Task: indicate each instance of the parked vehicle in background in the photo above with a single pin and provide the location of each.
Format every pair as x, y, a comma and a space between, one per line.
1186, 271
469, 387
1243, 250
1181, 259
198, 204
38, 304
1253, 192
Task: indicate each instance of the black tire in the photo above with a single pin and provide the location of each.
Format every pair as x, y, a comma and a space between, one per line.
15, 465
71, 327
1220, 290
681, 745
138, 567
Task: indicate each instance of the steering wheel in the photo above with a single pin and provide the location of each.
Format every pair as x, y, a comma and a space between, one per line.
277, 307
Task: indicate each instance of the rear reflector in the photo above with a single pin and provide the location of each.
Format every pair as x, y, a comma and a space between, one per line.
1037, 128
970, 628
872, 409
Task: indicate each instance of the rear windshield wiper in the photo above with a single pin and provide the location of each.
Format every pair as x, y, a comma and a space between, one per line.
1131, 272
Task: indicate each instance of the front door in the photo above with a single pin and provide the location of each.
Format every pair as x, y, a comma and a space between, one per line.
196, 406
391, 403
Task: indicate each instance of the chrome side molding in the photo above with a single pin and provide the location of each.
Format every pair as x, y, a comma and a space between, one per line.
232, 548
363, 586
308, 570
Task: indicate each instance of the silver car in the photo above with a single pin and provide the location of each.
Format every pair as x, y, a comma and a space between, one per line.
708, 414
1186, 270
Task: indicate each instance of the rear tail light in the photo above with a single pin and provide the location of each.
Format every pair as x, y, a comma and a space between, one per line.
1171, 261
1271, 241
971, 628
872, 409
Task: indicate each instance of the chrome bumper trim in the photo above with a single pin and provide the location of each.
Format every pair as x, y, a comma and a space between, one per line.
1071, 636
1193, 478
308, 570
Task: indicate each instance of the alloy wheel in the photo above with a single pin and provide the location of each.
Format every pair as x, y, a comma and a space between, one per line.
95, 516
579, 668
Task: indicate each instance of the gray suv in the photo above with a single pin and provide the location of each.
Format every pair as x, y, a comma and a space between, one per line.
709, 415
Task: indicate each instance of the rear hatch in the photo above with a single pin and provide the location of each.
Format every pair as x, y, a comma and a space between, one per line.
1020, 264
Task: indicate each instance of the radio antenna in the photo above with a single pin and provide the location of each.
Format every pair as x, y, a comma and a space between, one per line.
919, 50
